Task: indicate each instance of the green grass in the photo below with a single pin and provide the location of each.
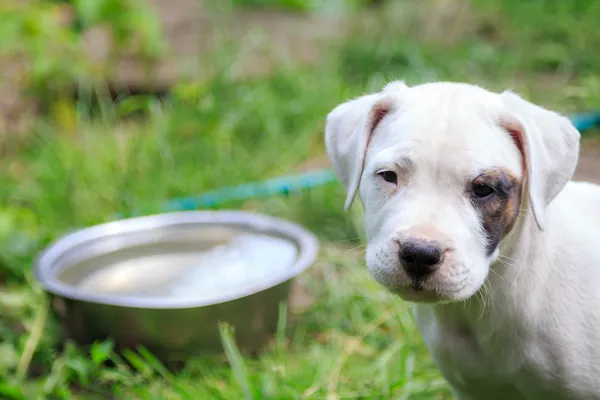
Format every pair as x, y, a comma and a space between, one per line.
80, 167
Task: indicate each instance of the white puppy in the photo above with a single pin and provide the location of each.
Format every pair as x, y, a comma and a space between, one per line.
470, 214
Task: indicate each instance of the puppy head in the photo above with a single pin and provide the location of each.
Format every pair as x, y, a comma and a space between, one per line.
444, 172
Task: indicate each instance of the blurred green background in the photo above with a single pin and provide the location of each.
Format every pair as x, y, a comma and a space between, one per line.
108, 106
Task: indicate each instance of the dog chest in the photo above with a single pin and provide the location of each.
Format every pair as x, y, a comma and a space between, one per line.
500, 365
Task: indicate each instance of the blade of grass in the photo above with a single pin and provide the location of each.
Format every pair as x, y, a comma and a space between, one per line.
34, 338
236, 360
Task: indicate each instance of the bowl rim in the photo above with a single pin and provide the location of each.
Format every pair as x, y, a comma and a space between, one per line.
307, 242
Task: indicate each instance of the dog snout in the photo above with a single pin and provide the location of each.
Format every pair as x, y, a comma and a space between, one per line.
420, 257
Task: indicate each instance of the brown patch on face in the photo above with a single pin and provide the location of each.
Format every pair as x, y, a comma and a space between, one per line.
499, 209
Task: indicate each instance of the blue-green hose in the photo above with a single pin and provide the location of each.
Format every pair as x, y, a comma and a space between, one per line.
299, 182
281, 185
584, 122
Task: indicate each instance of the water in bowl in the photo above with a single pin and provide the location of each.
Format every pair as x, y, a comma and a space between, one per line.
246, 260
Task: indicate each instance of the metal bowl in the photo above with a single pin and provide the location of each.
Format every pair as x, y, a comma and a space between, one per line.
172, 327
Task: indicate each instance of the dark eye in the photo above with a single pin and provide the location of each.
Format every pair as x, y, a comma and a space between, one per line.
482, 190
389, 176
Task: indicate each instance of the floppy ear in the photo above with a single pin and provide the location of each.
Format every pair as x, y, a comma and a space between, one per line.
549, 146
348, 132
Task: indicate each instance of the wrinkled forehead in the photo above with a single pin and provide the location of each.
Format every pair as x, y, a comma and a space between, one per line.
460, 138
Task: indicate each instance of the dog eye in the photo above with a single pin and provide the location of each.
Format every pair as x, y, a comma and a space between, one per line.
389, 176
482, 190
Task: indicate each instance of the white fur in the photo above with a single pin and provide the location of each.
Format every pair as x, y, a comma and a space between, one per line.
523, 323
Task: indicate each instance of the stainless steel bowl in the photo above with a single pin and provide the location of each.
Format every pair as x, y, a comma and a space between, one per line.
171, 327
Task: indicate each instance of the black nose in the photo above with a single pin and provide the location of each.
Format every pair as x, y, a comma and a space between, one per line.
419, 257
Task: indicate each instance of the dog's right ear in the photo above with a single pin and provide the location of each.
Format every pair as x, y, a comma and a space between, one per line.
349, 129
549, 144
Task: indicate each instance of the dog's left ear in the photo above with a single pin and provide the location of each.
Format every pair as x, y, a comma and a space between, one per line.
549, 145
349, 129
